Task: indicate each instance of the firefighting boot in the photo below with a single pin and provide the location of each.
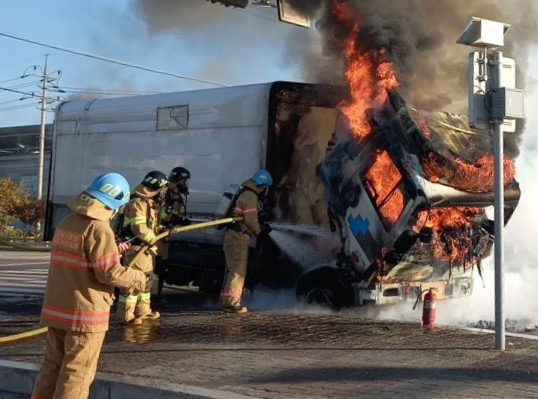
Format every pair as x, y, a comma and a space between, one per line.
143, 308
126, 310
238, 309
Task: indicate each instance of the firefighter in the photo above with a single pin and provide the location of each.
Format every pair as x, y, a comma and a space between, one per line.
84, 267
174, 211
238, 237
140, 225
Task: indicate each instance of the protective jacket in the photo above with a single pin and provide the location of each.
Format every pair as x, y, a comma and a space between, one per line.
247, 207
140, 217
84, 267
174, 211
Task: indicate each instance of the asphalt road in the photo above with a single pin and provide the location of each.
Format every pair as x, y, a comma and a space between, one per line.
23, 273
279, 353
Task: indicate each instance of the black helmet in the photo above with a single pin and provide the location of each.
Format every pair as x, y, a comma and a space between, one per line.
179, 173
155, 180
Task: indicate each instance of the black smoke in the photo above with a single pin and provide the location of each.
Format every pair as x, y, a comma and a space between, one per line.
420, 39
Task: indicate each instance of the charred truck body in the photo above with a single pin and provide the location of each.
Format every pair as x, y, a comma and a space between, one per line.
375, 220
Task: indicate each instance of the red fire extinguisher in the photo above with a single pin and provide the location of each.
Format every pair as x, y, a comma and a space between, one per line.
429, 309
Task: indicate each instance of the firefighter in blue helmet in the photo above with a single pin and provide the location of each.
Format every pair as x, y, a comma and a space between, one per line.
84, 267
238, 237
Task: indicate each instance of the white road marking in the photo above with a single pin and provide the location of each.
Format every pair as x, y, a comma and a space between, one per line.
23, 282
26, 272
23, 264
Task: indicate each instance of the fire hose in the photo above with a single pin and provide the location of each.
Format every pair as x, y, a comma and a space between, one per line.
22, 335
183, 229
142, 250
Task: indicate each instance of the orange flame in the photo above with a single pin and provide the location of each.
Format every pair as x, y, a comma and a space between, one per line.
455, 245
369, 74
475, 176
382, 178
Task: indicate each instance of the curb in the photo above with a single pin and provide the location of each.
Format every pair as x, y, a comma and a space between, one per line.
18, 377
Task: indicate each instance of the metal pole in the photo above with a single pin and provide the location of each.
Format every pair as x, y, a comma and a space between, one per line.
499, 227
42, 133
498, 169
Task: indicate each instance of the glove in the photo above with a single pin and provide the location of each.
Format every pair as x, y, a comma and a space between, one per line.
184, 222
139, 285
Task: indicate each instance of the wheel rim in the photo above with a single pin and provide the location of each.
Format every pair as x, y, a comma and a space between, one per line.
320, 296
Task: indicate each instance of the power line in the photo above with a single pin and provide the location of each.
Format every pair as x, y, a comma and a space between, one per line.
16, 91
33, 95
14, 107
9, 80
12, 101
22, 85
111, 60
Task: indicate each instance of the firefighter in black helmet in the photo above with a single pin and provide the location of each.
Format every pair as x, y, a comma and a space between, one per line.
141, 224
174, 211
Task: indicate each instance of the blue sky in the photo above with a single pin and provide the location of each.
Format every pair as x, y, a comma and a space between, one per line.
193, 38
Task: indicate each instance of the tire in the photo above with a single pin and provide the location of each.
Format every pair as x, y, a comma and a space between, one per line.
320, 293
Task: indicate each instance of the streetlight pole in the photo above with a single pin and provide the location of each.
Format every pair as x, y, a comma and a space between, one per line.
495, 105
498, 199
498, 142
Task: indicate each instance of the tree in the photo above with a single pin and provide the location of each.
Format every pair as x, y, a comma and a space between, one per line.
29, 211
12, 194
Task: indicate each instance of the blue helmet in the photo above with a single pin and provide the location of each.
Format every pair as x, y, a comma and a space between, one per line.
111, 189
262, 178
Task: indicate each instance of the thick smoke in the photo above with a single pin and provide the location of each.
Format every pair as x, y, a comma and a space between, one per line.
171, 15
420, 37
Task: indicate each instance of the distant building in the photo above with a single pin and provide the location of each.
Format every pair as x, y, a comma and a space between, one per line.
19, 155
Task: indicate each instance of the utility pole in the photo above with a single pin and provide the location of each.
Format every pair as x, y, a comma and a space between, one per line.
42, 131
45, 79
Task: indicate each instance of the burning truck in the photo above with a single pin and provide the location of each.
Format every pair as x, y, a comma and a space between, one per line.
381, 216
409, 200
380, 201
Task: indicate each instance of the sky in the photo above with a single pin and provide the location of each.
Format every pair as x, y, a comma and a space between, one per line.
231, 47
192, 38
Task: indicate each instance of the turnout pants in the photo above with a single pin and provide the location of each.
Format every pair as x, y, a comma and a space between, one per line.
134, 306
69, 366
235, 248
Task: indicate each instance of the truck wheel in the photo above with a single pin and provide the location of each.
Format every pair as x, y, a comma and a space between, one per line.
321, 294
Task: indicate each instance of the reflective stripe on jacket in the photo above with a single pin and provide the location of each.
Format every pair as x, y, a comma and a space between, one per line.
141, 218
84, 267
246, 206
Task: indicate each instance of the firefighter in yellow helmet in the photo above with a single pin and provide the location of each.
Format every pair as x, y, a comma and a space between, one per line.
84, 267
238, 237
140, 224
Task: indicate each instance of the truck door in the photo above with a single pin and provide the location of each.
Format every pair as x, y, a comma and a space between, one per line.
381, 202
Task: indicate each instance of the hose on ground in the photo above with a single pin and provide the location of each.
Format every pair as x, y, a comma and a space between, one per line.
26, 334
